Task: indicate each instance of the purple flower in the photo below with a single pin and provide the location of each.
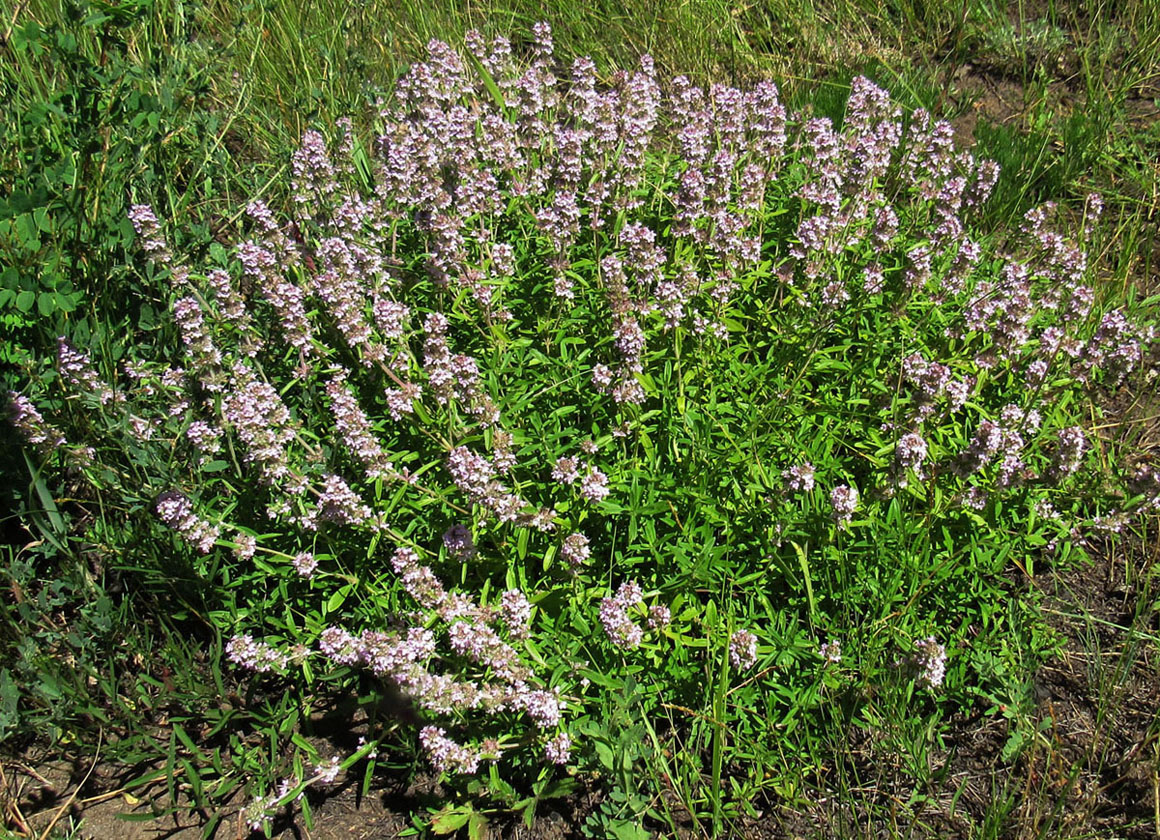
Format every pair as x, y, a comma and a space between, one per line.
261, 266
481, 644
402, 400
1069, 451
204, 436
575, 550
566, 471
516, 611
602, 378
176, 511
743, 650
458, 542
909, 454
76, 368
354, 427
313, 174
326, 774
257, 656
543, 707
621, 630
245, 545
557, 749
799, 478
305, 563
31, 424
930, 659
475, 476
831, 652
446, 755
844, 501
391, 317
338, 503
148, 229
873, 280
975, 498
981, 450
262, 422
659, 617
594, 486
340, 646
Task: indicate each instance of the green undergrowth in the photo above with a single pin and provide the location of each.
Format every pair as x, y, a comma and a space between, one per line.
112, 626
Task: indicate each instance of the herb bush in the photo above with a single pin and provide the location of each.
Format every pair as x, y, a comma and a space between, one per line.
611, 430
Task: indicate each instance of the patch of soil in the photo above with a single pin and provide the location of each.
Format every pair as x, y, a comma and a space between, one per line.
41, 791
1090, 766
984, 96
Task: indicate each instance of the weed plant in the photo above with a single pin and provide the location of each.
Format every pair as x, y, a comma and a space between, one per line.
604, 431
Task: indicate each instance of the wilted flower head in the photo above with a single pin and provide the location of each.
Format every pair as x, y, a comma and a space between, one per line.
458, 541
575, 549
831, 652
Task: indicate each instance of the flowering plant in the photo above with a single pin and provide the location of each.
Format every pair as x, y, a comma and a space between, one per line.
561, 391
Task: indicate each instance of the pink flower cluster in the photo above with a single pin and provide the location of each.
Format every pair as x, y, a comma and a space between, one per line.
474, 475
405, 656
243, 650
176, 511
743, 650
31, 423
489, 184
575, 550
593, 482
799, 478
831, 652
354, 426
445, 754
843, 503
76, 368
930, 660
262, 421
615, 616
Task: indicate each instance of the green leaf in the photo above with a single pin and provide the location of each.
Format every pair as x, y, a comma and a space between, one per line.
27, 232
336, 600
560, 787
477, 827
451, 818
604, 753
624, 830
66, 302
804, 563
